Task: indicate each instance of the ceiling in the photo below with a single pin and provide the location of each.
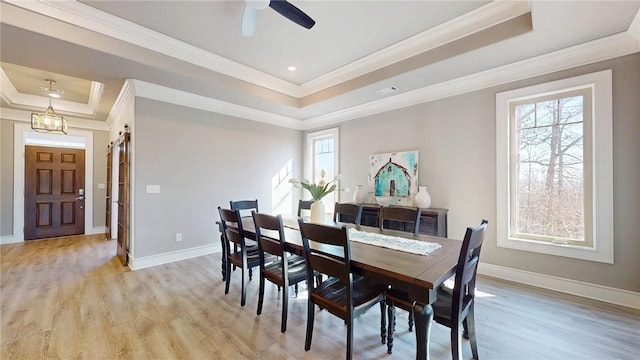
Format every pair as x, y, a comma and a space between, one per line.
194, 50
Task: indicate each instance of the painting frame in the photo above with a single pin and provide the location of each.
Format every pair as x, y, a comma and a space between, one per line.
394, 174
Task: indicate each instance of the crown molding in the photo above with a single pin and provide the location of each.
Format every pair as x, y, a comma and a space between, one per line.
634, 27
599, 50
101, 22
95, 20
14, 98
610, 47
123, 101
183, 98
482, 18
74, 122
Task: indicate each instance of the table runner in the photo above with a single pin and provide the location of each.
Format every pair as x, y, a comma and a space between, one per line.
394, 242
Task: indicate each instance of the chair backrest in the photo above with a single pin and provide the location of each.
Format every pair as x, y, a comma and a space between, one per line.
406, 215
467, 267
345, 212
232, 228
270, 236
304, 205
246, 206
332, 258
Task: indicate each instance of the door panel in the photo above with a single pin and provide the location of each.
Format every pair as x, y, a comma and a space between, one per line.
123, 199
54, 178
107, 220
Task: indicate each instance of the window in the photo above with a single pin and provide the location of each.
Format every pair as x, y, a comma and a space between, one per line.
554, 176
323, 155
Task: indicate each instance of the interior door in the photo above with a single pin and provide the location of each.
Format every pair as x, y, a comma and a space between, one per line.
107, 220
53, 192
123, 199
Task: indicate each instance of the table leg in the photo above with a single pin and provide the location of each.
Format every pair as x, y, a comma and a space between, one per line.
422, 315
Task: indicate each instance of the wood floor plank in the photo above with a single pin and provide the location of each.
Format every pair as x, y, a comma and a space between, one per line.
69, 298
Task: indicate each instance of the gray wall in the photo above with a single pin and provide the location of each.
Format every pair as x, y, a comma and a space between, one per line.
100, 140
201, 160
6, 177
456, 140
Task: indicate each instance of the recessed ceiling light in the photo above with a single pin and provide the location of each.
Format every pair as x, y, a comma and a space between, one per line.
292, 68
387, 90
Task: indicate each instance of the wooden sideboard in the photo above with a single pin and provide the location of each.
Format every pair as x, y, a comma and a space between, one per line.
433, 221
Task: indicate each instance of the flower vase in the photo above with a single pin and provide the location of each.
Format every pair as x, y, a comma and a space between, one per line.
422, 198
317, 212
359, 195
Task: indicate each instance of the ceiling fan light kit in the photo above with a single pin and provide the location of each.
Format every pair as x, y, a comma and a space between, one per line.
283, 7
49, 121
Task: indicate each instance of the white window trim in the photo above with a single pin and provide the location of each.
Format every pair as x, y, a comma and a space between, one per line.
602, 152
308, 165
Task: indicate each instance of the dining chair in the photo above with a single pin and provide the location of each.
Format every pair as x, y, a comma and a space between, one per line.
304, 205
287, 270
242, 258
245, 207
343, 293
453, 308
347, 213
408, 216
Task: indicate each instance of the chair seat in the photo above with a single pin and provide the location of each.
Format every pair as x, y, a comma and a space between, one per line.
442, 306
333, 294
253, 258
296, 270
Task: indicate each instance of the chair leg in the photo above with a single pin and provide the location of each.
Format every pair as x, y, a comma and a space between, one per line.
228, 277
261, 294
243, 300
285, 307
250, 274
465, 326
471, 323
410, 321
383, 321
456, 341
310, 317
349, 339
391, 314
295, 287
224, 260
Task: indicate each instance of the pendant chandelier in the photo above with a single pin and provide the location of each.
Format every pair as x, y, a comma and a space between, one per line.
49, 121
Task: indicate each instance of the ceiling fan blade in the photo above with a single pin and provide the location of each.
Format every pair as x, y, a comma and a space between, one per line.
292, 13
249, 20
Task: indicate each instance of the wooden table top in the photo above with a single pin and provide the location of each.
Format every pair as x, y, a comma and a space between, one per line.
416, 274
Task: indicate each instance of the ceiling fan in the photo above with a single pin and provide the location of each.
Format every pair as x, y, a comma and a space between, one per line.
283, 7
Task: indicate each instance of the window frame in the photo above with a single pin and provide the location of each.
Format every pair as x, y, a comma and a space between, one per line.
310, 163
601, 176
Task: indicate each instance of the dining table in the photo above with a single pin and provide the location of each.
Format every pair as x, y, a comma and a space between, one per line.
418, 275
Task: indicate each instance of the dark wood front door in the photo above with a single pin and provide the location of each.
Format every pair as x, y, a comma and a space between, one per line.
54, 192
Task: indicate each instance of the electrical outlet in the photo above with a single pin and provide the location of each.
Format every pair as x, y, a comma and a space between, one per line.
178, 237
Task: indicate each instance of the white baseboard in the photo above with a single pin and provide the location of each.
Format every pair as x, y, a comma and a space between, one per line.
97, 230
172, 256
592, 291
9, 239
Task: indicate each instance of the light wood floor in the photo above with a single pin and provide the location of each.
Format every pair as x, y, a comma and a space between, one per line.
69, 298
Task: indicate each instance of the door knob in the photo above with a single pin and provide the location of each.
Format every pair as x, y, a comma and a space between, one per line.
80, 197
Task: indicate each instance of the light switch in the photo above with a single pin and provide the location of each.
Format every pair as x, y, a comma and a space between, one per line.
153, 189
101, 186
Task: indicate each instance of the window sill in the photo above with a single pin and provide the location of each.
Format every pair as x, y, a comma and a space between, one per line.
604, 255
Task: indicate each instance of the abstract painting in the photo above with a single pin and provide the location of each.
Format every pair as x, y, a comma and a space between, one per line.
394, 174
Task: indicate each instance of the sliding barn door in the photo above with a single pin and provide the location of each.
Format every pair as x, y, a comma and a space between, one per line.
123, 198
108, 205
